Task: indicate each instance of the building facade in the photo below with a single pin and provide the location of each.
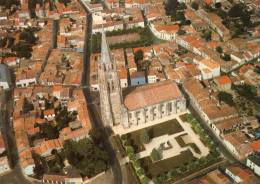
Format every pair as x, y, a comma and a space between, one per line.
137, 105
253, 162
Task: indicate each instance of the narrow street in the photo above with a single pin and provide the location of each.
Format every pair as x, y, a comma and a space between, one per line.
93, 111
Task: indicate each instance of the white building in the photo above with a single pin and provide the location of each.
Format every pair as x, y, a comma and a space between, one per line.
25, 82
4, 166
209, 68
154, 101
5, 77
164, 32
253, 162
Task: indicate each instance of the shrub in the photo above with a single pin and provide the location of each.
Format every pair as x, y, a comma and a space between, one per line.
144, 137
155, 155
129, 149
219, 49
195, 5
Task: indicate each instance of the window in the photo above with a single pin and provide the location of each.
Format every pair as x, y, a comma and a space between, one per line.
170, 107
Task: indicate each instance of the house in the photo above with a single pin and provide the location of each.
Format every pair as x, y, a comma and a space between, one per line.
241, 175
137, 78
164, 32
238, 144
4, 165
70, 177
153, 101
5, 77
97, 7
213, 177
49, 114
26, 76
255, 145
2, 144
223, 82
45, 148
131, 65
152, 76
11, 61
253, 162
122, 75
209, 68
27, 162
112, 3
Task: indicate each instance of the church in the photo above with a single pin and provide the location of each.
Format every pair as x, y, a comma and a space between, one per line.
135, 105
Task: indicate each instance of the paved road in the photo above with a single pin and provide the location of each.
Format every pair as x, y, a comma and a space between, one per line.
93, 112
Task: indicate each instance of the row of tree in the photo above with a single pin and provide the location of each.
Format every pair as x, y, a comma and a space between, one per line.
9, 3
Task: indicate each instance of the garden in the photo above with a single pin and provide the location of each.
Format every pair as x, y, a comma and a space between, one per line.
246, 99
137, 138
146, 39
170, 169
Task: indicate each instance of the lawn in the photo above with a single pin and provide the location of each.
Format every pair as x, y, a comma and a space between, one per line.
183, 144
131, 37
156, 168
146, 38
169, 127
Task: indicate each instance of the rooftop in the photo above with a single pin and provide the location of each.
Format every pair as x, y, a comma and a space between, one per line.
147, 95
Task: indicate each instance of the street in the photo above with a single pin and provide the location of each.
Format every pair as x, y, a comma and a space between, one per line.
93, 112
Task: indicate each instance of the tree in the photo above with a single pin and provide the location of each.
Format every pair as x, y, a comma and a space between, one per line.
226, 97
144, 137
226, 57
171, 7
181, 32
236, 10
3, 42
96, 135
9, 3
65, 2
222, 13
86, 156
140, 172
206, 35
219, 49
180, 17
195, 5
28, 36
22, 49
155, 155
129, 149
247, 91
124, 137
132, 157
49, 131
144, 180
138, 55
182, 6
218, 5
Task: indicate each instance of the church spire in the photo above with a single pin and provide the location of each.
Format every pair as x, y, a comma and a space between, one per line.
105, 52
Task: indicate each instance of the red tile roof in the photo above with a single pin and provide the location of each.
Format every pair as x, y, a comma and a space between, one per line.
223, 80
255, 145
151, 94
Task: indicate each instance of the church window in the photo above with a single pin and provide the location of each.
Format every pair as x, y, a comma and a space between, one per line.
113, 87
170, 107
104, 67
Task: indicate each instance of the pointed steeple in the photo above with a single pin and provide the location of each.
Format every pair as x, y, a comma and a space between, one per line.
105, 52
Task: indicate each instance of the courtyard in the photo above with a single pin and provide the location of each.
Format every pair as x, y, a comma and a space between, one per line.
167, 145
